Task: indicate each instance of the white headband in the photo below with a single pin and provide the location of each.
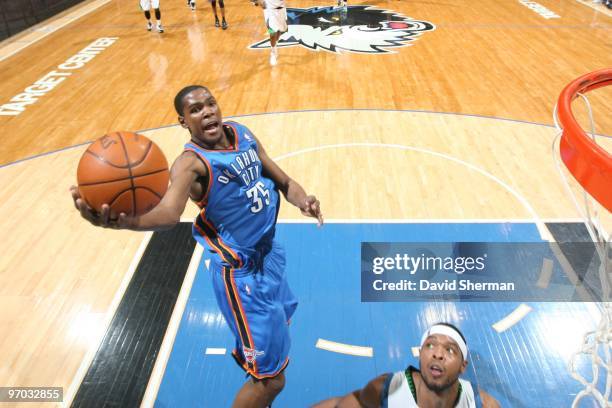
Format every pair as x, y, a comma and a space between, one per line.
447, 331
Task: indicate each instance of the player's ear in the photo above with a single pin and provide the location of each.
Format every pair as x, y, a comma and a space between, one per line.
181, 120
464, 365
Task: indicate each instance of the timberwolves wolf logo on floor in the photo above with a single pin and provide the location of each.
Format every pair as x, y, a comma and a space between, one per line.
362, 29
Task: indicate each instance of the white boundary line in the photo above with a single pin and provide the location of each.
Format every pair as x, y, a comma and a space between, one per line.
344, 348
512, 318
544, 233
545, 273
91, 353
157, 374
35, 32
215, 351
601, 9
420, 221
305, 220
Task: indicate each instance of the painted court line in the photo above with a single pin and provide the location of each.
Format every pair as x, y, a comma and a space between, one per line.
344, 348
544, 233
545, 273
175, 320
214, 351
513, 318
91, 353
305, 220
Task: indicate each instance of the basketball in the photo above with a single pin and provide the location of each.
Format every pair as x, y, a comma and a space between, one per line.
125, 170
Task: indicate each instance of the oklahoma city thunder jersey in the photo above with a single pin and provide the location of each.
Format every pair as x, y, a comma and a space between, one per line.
240, 205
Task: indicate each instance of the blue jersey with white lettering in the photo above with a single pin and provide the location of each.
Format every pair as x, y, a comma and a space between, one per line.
240, 205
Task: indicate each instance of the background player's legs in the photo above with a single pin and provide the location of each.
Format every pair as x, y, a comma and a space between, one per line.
274, 38
158, 18
213, 4
147, 14
276, 21
146, 6
259, 393
274, 51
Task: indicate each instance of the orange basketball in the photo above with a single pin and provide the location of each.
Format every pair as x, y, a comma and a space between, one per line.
125, 170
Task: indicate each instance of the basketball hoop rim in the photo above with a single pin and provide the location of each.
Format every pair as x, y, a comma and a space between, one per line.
588, 162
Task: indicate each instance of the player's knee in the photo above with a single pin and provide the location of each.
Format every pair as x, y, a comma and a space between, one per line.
275, 385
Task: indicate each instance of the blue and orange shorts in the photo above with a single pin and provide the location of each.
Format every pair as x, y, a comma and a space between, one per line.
257, 305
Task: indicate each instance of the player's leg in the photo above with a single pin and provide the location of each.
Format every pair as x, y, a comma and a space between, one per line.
259, 393
155, 5
145, 5
160, 28
249, 302
276, 20
223, 22
213, 4
269, 292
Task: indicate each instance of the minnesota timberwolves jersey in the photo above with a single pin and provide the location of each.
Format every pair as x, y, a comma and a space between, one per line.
240, 205
399, 392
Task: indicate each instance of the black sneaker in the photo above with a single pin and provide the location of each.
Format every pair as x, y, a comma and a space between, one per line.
224, 24
217, 22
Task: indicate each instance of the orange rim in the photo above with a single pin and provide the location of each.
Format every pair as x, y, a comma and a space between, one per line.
588, 162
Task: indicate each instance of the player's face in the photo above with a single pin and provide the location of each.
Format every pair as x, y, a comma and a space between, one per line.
202, 116
441, 362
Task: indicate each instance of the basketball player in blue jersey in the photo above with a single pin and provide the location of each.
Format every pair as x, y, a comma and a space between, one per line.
442, 359
225, 170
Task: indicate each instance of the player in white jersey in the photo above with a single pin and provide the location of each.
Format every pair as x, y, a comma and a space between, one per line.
275, 15
442, 359
146, 6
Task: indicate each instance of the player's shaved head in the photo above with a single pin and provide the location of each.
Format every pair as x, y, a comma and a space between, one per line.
178, 99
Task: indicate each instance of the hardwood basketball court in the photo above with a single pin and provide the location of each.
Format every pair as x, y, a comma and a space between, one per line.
453, 125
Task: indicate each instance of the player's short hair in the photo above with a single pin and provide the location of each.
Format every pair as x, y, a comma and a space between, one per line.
178, 99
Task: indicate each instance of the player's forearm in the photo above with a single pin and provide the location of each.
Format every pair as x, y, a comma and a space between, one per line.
158, 219
295, 194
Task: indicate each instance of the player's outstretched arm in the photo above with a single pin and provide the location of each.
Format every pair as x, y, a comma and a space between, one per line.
165, 215
368, 397
488, 401
293, 192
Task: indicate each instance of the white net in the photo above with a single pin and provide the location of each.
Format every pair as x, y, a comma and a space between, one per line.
596, 346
